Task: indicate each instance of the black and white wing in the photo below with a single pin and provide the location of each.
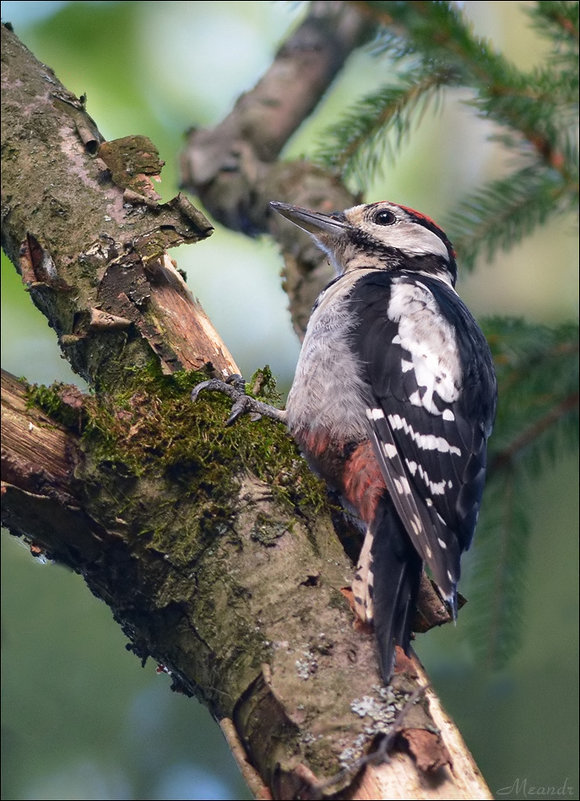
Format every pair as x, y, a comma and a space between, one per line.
431, 404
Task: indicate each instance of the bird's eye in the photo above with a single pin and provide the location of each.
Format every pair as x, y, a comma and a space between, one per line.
384, 217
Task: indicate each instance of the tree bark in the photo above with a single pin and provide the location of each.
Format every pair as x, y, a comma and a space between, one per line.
214, 548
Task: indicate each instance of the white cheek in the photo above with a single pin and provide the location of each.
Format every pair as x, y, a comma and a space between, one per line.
412, 239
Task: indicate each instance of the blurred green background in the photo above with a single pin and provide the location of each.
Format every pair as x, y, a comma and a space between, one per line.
80, 718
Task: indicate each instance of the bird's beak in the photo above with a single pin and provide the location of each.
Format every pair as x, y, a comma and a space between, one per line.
313, 222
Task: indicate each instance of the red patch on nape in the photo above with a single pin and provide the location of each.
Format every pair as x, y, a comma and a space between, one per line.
416, 213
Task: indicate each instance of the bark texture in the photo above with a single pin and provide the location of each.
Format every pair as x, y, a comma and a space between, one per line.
82, 223
214, 547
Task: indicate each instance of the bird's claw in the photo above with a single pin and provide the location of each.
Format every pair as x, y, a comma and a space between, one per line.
236, 381
211, 385
243, 405
235, 388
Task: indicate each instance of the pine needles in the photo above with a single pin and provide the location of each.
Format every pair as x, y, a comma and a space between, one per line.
502, 212
358, 144
537, 421
431, 49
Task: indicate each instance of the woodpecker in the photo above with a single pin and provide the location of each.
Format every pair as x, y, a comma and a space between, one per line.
392, 403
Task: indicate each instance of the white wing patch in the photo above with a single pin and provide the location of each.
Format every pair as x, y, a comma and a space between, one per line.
390, 450
435, 487
402, 485
429, 340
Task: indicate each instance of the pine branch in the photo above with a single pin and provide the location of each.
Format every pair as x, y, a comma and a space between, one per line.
541, 106
500, 214
537, 370
538, 105
556, 20
437, 32
497, 589
379, 123
528, 436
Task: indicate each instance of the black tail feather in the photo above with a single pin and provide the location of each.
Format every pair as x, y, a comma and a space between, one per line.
396, 569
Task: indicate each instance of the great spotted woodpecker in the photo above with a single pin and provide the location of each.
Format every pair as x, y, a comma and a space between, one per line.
392, 403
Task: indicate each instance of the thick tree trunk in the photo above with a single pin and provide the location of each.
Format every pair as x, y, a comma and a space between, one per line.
214, 547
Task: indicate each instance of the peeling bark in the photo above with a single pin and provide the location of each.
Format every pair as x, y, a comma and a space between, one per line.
93, 257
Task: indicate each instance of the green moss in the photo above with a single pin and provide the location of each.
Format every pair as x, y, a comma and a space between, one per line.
149, 451
263, 385
61, 402
152, 428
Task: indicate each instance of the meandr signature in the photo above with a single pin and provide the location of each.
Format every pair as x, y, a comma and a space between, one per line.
523, 788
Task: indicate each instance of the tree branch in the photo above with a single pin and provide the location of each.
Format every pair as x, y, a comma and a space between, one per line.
288, 660
505, 457
89, 237
233, 168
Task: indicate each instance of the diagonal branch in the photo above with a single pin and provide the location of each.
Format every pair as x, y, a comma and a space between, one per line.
233, 167
505, 457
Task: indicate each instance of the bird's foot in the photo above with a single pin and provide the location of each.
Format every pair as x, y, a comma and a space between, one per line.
235, 388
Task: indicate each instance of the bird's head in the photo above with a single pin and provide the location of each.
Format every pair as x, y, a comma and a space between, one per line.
380, 235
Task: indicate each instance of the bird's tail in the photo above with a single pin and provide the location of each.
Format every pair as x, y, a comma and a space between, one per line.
387, 583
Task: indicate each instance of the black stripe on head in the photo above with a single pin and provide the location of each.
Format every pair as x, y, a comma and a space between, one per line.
432, 226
